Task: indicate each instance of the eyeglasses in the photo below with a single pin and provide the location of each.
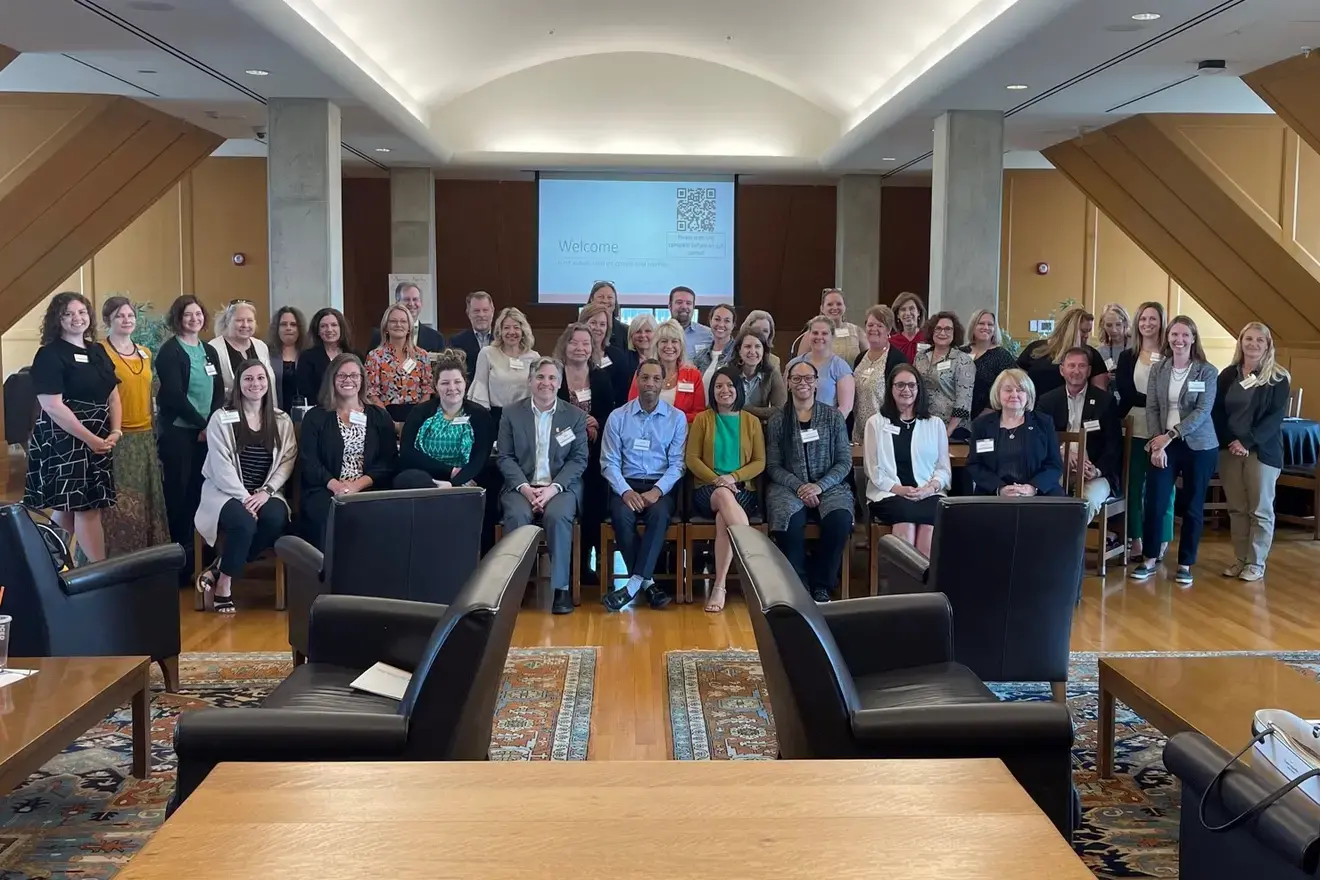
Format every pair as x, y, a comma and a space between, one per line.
943, 329
801, 380
240, 302
905, 386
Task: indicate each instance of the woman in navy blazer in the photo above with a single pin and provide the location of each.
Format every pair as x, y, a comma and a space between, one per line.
1014, 452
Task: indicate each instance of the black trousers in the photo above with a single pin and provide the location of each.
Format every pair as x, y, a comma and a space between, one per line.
244, 537
181, 457
821, 572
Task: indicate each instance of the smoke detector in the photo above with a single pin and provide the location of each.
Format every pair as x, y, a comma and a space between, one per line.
1211, 67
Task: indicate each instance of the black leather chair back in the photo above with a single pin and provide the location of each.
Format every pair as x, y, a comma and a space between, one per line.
417, 544
450, 702
805, 672
1281, 843
1012, 569
33, 595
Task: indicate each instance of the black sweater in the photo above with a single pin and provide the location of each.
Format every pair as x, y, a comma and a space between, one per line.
321, 449
173, 369
1269, 405
483, 438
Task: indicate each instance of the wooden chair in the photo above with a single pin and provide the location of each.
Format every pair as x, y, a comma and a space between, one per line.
1115, 505
673, 534
698, 529
875, 531
199, 600
1303, 478
540, 574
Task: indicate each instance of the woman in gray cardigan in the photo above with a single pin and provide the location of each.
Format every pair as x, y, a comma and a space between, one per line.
1183, 442
808, 460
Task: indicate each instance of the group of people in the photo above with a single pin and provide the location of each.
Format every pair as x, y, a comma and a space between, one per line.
609, 424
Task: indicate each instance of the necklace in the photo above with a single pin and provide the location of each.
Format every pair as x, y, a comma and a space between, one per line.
142, 363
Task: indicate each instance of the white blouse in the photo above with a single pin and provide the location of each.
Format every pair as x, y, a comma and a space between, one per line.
500, 380
930, 455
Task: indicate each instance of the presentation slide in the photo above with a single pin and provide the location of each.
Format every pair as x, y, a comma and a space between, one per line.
646, 235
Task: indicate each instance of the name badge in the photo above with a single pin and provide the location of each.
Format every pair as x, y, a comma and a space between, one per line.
1196, 386
80, 358
892, 429
1155, 357
811, 435
460, 420
583, 395
515, 364
943, 365
357, 418
142, 352
228, 416
210, 368
409, 365
1093, 425
701, 347
641, 444
605, 361
985, 445
842, 332
686, 387
565, 437
923, 346
1249, 382
1109, 364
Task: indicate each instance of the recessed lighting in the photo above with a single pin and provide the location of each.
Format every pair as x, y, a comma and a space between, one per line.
382, 149
888, 159
1146, 16
147, 71
256, 71
1015, 87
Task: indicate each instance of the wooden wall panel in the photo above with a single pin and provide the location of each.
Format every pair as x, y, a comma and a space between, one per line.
229, 217
366, 253
1249, 153
1044, 222
1305, 239
904, 241
1124, 273
1290, 88
145, 261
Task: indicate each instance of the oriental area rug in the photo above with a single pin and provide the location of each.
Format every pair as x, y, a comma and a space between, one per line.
719, 710
83, 816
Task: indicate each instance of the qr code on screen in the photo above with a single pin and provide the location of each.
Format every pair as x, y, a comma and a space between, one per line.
696, 209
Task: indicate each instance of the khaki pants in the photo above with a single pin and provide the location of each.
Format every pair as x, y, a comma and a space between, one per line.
1095, 493
1249, 488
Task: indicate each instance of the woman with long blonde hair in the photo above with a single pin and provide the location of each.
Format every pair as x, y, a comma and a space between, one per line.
1132, 376
1115, 337
1248, 414
500, 378
1041, 358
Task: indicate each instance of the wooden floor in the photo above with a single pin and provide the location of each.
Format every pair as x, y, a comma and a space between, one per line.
630, 714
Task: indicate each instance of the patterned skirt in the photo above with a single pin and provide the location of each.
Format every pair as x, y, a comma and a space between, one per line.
138, 518
62, 471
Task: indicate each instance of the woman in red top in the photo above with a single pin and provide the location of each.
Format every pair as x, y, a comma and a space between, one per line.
682, 380
910, 313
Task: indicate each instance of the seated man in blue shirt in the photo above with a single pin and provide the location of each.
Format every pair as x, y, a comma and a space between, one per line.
642, 458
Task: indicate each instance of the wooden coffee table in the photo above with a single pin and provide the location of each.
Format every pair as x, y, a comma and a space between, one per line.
44, 713
1216, 696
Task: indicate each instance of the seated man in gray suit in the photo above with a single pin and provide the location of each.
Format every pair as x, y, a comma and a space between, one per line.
542, 456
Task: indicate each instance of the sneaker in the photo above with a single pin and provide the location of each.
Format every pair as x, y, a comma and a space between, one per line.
1252, 572
1184, 575
820, 595
1235, 569
1144, 570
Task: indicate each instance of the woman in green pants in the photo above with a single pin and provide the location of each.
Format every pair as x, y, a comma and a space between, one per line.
1131, 375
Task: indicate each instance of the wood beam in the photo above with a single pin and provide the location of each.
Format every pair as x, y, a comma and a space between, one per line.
6, 55
80, 169
1160, 190
1292, 89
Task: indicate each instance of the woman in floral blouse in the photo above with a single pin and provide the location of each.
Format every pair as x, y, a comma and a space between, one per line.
398, 372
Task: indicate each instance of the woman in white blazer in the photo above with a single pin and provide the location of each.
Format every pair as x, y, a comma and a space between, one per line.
250, 452
235, 341
906, 453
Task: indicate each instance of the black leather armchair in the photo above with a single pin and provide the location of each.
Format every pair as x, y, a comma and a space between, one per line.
875, 678
1281, 843
416, 544
125, 606
1012, 569
455, 653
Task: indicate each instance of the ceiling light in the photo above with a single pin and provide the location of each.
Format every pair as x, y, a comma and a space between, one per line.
146, 71
1146, 16
256, 71
888, 159
382, 149
1015, 87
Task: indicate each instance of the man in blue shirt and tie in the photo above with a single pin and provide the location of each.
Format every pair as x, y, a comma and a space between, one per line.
642, 458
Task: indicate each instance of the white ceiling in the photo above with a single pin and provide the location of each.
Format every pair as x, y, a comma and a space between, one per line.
770, 87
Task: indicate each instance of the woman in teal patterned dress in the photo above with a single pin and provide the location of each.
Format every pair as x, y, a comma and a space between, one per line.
446, 440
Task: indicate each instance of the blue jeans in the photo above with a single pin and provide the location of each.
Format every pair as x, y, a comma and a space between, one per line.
1196, 467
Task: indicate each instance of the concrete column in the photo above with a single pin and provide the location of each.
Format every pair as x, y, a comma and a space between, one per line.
412, 231
966, 211
305, 205
857, 243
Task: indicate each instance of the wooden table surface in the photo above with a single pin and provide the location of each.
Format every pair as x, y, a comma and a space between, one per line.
1216, 696
43, 713
913, 819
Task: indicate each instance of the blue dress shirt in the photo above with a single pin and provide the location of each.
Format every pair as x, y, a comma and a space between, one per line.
638, 445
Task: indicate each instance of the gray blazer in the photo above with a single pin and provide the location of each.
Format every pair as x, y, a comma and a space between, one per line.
1195, 426
517, 447
830, 461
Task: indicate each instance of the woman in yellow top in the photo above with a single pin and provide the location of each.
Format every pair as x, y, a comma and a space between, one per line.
137, 520
725, 453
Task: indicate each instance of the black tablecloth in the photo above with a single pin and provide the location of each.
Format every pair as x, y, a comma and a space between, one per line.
1301, 443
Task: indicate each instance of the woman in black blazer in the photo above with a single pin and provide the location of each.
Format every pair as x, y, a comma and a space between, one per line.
190, 390
347, 446
1014, 451
447, 439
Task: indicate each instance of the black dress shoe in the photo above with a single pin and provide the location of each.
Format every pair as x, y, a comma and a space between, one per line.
615, 600
657, 596
563, 603
820, 594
